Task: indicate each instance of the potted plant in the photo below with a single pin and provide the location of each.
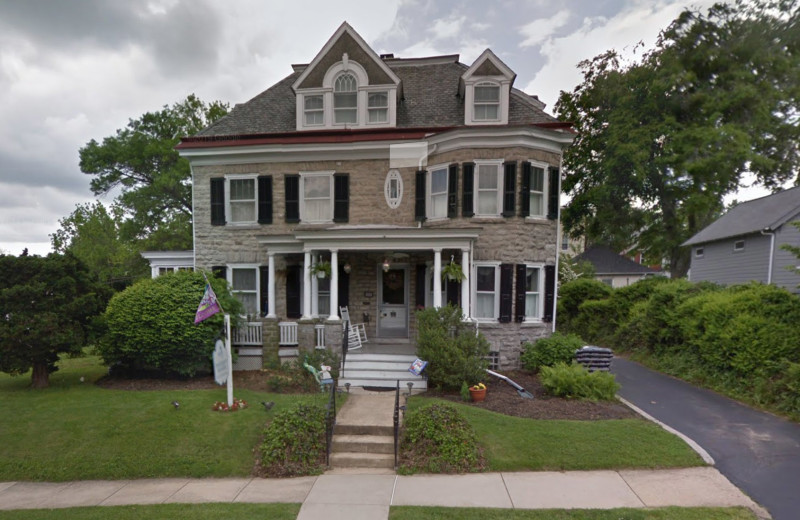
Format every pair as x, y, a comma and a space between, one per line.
321, 269
477, 392
453, 271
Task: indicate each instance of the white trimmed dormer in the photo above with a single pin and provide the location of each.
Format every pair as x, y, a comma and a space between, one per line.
486, 88
347, 85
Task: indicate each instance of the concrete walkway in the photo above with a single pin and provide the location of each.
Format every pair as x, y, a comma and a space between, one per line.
368, 496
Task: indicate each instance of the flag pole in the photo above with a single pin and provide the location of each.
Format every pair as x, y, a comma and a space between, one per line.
230, 358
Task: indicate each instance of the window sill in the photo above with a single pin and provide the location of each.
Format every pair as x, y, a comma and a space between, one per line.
533, 322
242, 225
537, 219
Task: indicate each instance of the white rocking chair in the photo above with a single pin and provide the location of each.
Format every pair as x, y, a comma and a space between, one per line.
356, 332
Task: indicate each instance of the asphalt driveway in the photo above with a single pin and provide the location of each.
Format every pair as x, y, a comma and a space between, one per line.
757, 451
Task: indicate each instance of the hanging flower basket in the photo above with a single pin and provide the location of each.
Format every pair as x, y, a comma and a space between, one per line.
321, 269
453, 271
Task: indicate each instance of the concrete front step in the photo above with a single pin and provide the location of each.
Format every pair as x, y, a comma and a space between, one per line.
362, 460
380, 370
363, 429
363, 444
419, 384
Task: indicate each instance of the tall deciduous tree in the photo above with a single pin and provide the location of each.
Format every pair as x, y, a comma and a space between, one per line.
155, 182
662, 140
46, 306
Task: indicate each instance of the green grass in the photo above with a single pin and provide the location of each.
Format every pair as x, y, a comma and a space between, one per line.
78, 431
171, 511
667, 513
518, 444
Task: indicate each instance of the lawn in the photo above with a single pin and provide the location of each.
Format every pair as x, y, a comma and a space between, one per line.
518, 444
171, 511
78, 431
667, 513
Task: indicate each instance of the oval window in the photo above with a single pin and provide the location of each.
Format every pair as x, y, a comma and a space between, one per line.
393, 188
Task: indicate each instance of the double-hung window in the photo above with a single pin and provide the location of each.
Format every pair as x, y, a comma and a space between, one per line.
487, 291
244, 286
345, 99
317, 190
242, 199
313, 110
538, 201
488, 188
533, 293
378, 107
486, 102
437, 187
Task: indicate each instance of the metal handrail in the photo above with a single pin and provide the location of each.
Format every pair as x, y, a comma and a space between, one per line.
396, 421
330, 422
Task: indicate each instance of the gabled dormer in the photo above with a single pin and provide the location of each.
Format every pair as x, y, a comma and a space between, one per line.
347, 85
486, 87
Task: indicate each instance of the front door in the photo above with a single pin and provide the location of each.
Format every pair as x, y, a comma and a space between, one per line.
393, 303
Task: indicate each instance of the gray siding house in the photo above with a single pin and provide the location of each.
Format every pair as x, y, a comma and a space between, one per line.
745, 244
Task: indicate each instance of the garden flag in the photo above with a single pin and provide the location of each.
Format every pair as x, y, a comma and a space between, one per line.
209, 305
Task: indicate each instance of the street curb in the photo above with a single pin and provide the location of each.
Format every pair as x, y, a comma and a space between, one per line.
708, 459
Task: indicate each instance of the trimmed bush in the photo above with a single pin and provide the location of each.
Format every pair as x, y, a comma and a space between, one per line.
546, 352
571, 295
574, 381
150, 325
438, 439
597, 321
454, 353
294, 442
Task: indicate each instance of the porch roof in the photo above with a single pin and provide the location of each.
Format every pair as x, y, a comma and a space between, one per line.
371, 238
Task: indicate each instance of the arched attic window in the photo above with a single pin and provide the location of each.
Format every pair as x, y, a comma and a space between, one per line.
345, 99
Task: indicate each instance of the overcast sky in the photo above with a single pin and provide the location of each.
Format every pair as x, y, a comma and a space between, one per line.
75, 70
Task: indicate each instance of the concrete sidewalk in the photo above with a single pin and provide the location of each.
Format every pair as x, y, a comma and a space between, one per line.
368, 496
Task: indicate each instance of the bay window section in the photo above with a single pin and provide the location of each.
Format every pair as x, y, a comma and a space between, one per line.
437, 205
345, 100
489, 189
378, 107
487, 283
242, 199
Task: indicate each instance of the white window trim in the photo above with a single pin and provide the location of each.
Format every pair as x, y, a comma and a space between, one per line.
228, 212
393, 175
500, 186
699, 252
429, 192
229, 277
303, 177
499, 88
368, 108
540, 310
469, 100
545, 190
738, 249
474, 290
303, 97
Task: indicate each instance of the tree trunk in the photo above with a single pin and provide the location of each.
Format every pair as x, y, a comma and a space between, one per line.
679, 262
40, 377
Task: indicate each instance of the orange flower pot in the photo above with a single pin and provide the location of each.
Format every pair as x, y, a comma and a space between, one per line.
477, 395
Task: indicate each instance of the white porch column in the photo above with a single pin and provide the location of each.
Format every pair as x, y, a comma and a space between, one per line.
333, 315
271, 286
306, 285
465, 292
437, 278
315, 288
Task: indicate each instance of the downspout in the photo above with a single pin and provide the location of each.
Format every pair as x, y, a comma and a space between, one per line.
558, 225
766, 231
194, 231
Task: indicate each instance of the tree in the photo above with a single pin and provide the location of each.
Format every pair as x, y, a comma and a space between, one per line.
47, 304
92, 234
155, 182
570, 269
661, 141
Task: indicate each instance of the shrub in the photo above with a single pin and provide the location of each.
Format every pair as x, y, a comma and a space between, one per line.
150, 325
597, 321
564, 380
453, 352
571, 295
546, 352
294, 442
438, 439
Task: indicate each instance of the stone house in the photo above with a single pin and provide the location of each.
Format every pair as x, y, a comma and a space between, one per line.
386, 170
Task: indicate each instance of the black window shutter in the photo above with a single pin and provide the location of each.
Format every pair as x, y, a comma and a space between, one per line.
344, 287
264, 289
525, 189
453, 292
519, 314
420, 292
293, 291
549, 291
218, 201
452, 191
509, 189
292, 193
419, 206
506, 289
552, 202
341, 197
265, 199
466, 195
220, 271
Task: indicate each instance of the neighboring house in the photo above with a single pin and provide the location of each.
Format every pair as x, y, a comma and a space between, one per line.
613, 268
744, 244
163, 262
386, 169
570, 246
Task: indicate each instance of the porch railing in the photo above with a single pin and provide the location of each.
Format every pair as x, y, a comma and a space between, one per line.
330, 422
319, 332
345, 338
247, 334
288, 333
396, 421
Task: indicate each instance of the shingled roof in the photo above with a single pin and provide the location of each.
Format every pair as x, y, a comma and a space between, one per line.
430, 100
766, 213
607, 261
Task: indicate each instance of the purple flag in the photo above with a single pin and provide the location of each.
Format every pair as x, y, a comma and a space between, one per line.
209, 305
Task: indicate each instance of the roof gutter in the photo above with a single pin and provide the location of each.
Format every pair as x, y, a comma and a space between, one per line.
767, 231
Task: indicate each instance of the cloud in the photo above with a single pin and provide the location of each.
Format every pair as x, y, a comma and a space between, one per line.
538, 31
447, 28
